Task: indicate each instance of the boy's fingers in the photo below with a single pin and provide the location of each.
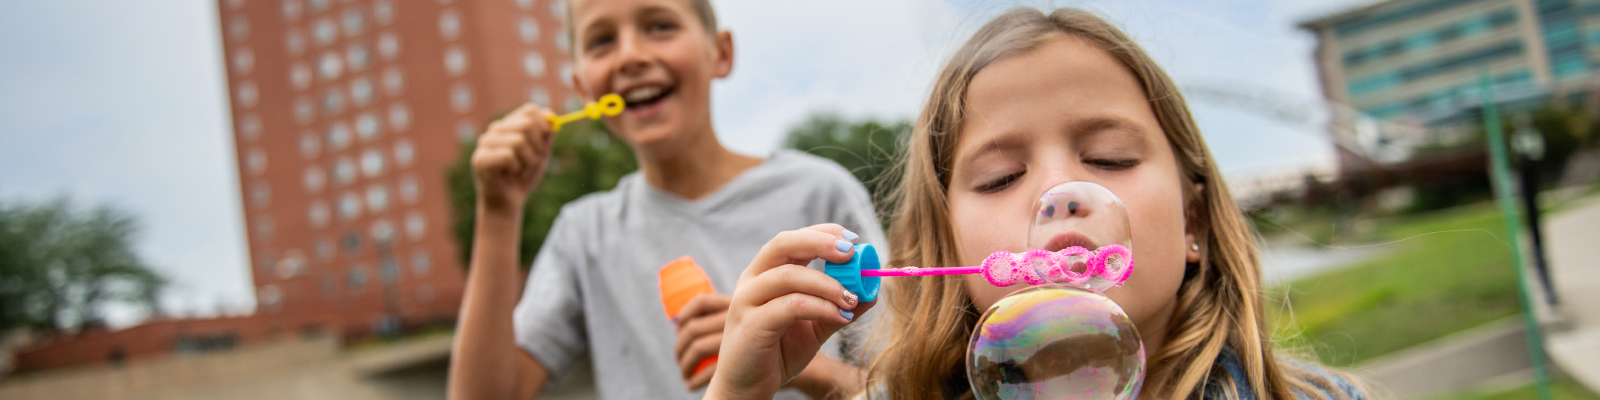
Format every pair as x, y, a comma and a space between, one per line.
701, 305
799, 247
697, 328
701, 348
701, 379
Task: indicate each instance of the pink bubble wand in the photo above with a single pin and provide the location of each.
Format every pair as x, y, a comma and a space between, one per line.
1112, 263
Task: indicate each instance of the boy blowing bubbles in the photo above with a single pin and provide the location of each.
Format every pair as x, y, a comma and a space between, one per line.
592, 289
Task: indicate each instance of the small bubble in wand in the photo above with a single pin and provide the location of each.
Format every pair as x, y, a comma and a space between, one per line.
608, 106
1112, 263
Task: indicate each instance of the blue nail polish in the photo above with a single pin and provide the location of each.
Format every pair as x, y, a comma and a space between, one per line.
847, 315
843, 246
851, 236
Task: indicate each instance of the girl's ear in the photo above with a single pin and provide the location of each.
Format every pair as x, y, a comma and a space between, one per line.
1191, 252
723, 40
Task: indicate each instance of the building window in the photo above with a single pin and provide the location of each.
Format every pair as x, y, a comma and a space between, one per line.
383, 11
263, 227
393, 81
294, 42
566, 74
332, 102
351, 242
291, 10
319, 214
338, 136
300, 76
461, 97
314, 179
304, 111
528, 30
533, 64
271, 297
420, 263
367, 126
247, 94
309, 145
538, 95
399, 117
382, 232
416, 225
404, 152
349, 206
455, 61
524, 4
466, 131
323, 248
250, 127
239, 28
357, 278
449, 25
243, 61
344, 171
361, 91
293, 264
358, 56
389, 270
318, 6
372, 163
388, 46
260, 194
329, 290
409, 189
377, 198
562, 42
558, 8
329, 66
324, 32
354, 22
255, 161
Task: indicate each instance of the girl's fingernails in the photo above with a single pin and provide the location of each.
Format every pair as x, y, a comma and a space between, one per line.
843, 246
849, 298
851, 236
848, 316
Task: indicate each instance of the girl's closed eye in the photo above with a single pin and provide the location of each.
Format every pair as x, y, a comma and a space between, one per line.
998, 184
1112, 163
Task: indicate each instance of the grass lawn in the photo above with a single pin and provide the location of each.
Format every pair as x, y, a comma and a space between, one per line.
1561, 387
1445, 271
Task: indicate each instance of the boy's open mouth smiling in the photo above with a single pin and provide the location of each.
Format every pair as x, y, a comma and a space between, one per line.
646, 95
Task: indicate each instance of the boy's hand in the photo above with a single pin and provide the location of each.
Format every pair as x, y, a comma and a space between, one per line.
782, 312
699, 331
511, 156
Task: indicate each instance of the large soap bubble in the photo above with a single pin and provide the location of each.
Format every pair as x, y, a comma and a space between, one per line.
1064, 340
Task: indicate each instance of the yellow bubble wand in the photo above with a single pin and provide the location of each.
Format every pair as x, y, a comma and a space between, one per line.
608, 106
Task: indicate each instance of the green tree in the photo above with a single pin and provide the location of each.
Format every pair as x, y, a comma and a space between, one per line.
585, 158
60, 266
869, 149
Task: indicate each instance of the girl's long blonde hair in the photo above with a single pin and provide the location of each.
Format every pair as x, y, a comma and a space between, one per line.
1219, 301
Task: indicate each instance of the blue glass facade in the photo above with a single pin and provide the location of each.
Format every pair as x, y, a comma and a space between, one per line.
1423, 41
1563, 37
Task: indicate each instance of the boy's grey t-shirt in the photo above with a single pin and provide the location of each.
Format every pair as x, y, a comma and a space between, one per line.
593, 289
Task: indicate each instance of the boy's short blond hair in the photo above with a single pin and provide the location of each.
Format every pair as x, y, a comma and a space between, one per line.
702, 9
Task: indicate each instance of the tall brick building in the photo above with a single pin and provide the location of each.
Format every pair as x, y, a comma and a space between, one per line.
346, 114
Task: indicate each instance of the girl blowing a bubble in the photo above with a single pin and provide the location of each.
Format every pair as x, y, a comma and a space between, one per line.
1030, 101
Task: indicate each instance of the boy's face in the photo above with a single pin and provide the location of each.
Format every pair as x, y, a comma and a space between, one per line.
656, 54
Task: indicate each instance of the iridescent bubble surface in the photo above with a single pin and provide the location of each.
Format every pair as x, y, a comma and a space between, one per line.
1055, 342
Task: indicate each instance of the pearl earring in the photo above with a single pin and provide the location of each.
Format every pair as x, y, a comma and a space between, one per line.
1195, 246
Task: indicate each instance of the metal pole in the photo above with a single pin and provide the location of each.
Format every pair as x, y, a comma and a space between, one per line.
1500, 173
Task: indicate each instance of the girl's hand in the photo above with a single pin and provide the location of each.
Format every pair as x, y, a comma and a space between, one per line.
510, 157
782, 312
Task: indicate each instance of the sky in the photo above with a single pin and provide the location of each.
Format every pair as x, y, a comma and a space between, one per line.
124, 103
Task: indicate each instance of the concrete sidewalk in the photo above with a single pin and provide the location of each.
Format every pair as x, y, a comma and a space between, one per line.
1572, 331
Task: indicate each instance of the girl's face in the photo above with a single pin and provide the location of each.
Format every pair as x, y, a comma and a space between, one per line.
656, 54
1068, 111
